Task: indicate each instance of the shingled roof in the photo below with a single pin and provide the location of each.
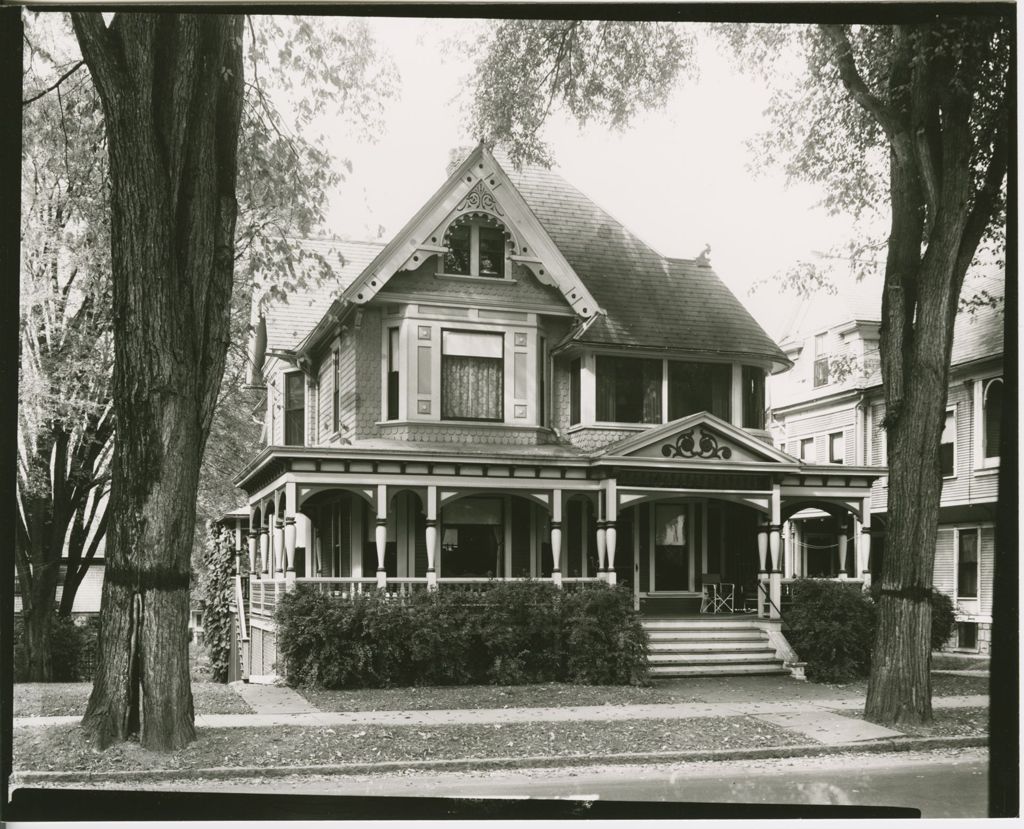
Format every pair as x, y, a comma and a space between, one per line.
651, 301
290, 320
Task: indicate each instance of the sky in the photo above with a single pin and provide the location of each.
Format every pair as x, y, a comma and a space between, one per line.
679, 178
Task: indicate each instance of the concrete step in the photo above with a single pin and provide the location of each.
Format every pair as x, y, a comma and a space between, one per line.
759, 669
712, 657
718, 646
715, 634
703, 623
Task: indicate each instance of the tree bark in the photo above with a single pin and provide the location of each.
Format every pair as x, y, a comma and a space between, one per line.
171, 87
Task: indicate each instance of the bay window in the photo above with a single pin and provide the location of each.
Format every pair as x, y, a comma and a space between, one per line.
394, 385
628, 390
575, 370
472, 375
699, 387
753, 397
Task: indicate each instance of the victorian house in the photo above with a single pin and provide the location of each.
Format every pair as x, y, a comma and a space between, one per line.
516, 386
829, 408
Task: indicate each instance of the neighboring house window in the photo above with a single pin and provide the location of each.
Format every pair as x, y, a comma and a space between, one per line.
947, 451
336, 394
967, 564
472, 538
836, 448
475, 249
753, 397
628, 390
472, 375
393, 374
697, 387
575, 369
820, 361
294, 409
807, 449
992, 401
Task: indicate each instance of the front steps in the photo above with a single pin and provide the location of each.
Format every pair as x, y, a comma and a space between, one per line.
710, 646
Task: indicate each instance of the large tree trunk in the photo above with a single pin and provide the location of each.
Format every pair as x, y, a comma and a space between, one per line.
171, 87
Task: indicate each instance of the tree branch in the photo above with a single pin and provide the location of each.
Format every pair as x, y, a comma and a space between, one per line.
54, 85
854, 83
985, 199
99, 53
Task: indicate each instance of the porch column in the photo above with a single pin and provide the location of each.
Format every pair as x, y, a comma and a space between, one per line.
762, 573
601, 539
774, 538
239, 551
279, 547
381, 534
253, 541
556, 537
289, 547
611, 514
265, 552
431, 537
841, 540
865, 545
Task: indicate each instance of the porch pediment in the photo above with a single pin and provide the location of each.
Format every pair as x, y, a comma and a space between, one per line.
699, 437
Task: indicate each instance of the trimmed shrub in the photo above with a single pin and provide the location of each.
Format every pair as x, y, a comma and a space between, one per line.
512, 633
943, 619
832, 626
605, 642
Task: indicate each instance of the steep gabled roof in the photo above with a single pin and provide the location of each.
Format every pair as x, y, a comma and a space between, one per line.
289, 321
651, 301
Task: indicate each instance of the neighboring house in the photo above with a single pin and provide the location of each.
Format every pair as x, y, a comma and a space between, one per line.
88, 595
829, 408
517, 386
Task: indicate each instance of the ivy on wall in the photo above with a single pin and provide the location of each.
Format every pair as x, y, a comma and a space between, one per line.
216, 587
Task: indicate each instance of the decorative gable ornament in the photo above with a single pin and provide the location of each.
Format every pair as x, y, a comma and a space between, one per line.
478, 187
686, 447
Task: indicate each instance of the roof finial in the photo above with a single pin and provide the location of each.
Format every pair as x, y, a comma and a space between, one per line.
705, 256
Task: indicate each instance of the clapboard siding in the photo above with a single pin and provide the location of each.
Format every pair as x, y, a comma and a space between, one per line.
820, 427
987, 577
944, 574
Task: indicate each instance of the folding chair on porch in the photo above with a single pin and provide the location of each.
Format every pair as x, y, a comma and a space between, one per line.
718, 596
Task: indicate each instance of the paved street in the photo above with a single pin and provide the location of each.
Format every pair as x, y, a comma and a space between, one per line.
943, 784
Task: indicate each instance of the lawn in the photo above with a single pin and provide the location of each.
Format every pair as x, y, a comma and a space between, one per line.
943, 685
69, 699
65, 748
946, 722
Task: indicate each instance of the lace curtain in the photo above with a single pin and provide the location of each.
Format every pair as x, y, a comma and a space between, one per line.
471, 388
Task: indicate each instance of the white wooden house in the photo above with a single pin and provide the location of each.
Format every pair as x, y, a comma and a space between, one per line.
517, 386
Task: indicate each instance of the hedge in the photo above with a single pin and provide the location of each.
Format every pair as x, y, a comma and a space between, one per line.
73, 648
510, 634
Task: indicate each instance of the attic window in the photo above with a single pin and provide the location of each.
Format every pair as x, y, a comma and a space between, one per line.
475, 248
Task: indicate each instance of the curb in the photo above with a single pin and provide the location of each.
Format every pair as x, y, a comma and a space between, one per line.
27, 778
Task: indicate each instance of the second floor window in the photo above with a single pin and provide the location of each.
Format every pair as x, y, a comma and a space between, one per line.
475, 249
336, 393
575, 369
992, 400
947, 451
628, 390
294, 409
807, 449
836, 448
472, 376
820, 361
699, 387
753, 397
393, 373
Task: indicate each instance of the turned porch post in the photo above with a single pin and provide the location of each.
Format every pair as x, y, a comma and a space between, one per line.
774, 538
841, 540
610, 533
265, 571
601, 539
864, 554
253, 541
556, 537
279, 547
431, 537
381, 534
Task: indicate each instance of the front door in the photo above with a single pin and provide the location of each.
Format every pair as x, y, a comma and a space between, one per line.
672, 548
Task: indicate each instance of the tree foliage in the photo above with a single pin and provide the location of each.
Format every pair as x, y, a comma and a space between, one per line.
603, 71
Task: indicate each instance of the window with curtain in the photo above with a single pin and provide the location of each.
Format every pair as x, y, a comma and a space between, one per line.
967, 564
993, 404
836, 448
628, 390
472, 538
294, 409
753, 397
699, 387
947, 450
475, 249
472, 375
821, 370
